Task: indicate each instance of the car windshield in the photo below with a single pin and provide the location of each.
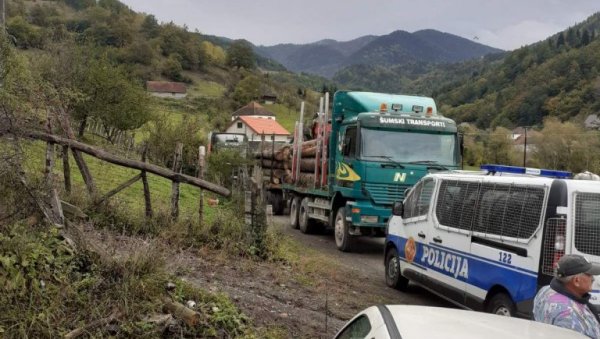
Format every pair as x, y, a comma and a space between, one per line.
408, 147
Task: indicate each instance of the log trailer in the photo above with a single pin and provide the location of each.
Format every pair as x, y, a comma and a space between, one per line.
362, 159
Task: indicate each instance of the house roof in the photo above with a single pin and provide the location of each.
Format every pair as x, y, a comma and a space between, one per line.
165, 87
262, 125
252, 108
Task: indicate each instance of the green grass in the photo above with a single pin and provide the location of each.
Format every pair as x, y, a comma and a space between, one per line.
286, 116
108, 176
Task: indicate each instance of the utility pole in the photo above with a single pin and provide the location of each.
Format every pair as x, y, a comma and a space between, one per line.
525, 148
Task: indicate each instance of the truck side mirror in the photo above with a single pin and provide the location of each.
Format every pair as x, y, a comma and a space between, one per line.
398, 208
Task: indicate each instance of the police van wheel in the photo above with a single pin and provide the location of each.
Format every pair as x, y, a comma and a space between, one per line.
304, 222
343, 240
393, 277
501, 304
294, 209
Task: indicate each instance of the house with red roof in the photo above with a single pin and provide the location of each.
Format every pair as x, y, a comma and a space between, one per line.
166, 89
255, 126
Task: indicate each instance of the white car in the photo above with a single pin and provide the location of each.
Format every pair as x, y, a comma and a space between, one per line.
416, 322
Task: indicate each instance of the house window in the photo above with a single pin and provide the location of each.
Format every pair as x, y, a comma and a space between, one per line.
240, 125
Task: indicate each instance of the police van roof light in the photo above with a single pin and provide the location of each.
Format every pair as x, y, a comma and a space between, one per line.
526, 170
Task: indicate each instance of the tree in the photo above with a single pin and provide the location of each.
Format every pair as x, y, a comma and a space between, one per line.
499, 148
247, 89
240, 54
80, 4
112, 98
172, 69
26, 35
150, 26
585, 38
566, 146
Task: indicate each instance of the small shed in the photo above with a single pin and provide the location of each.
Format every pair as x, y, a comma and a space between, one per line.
166, 89
253, 127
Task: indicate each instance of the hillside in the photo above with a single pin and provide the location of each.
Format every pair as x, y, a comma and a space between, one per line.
557, 77
399, 48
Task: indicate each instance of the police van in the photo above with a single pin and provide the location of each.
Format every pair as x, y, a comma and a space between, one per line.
488, 240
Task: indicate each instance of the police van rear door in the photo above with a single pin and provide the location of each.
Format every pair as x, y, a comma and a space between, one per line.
583, 237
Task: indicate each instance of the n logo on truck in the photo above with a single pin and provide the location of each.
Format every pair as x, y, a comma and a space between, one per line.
399, 177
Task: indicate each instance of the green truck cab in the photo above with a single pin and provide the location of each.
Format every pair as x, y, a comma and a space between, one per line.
379, 145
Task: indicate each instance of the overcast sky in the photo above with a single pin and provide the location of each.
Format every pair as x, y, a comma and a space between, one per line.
505, 24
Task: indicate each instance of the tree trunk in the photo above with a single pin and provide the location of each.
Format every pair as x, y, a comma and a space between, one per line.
82, 127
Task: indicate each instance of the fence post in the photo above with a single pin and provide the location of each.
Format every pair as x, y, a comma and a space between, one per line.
66, 168
201, 154
147, 200
175, 184
54, 199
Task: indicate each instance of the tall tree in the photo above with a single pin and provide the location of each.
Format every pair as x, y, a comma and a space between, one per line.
240, 54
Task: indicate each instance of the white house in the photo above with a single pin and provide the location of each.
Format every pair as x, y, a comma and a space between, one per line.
254, 126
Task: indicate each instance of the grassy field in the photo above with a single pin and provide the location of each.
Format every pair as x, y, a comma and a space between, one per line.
286, 116
108, 176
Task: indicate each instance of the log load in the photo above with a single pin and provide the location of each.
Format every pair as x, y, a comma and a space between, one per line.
277, 164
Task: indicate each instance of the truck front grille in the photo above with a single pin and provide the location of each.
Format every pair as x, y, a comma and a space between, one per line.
385, 194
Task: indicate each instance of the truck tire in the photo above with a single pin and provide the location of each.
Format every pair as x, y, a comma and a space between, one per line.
501, 304
343, 240
306, 224
294, 209
277, 202
393, 275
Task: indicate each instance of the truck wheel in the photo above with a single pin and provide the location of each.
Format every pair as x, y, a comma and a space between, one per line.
343, 239
294, 209
393, 275
304, 222
277, 202
501, 304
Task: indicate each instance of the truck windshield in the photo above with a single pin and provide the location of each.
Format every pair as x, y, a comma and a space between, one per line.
407, 147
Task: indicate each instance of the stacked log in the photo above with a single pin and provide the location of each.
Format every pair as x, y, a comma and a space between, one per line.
278, 164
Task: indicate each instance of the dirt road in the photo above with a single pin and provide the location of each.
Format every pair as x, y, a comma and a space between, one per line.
313, 301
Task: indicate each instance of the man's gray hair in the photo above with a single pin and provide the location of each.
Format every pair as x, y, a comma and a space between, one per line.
566, 279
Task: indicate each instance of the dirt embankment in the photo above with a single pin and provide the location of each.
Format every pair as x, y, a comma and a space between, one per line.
296, 299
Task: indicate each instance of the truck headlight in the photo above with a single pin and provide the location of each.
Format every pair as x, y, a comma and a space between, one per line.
368, 219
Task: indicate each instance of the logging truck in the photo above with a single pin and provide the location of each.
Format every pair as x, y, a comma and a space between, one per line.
360, 160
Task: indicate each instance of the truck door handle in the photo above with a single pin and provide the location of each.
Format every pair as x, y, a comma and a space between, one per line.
438, 240
421, 235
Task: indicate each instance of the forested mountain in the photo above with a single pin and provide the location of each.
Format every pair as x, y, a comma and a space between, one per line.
557, 77
399, 48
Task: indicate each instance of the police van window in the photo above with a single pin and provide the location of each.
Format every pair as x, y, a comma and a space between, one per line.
587, 223
359, 328
350, 142
424, 198
456, 203
418, 200
508, 210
